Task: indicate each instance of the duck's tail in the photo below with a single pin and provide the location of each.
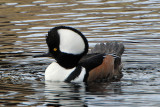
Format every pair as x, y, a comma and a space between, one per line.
116, 48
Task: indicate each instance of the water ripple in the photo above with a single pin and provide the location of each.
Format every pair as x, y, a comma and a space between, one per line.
24, 25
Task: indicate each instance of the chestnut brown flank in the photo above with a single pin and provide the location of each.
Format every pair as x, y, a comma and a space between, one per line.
105, 70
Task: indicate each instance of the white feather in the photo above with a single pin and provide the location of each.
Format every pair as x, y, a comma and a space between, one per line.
81, 76
71, 42
55, 72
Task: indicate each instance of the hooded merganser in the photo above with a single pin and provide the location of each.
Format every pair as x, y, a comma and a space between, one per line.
69, 47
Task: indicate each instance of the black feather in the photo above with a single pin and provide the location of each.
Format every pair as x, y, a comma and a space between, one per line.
74, 74
91, 61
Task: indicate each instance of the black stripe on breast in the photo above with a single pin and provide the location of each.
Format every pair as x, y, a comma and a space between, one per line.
74, 74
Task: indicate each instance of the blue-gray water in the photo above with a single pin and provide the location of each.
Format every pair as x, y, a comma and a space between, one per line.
24, 24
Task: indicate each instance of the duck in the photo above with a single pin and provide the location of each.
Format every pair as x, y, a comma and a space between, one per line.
74, 62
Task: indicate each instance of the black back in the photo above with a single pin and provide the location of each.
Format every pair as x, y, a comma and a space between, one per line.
91, 61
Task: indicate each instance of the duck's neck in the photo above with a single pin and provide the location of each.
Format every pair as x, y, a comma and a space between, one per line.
69, 61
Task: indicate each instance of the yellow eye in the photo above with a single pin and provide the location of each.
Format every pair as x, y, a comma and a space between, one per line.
55, 49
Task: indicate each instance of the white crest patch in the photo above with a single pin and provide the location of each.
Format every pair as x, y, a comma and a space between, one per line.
71, 42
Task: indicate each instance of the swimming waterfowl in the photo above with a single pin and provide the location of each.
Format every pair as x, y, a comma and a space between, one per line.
69, 47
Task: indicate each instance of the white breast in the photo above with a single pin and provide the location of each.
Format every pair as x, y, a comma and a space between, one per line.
55, 72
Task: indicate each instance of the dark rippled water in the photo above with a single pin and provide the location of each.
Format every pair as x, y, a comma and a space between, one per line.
24, 24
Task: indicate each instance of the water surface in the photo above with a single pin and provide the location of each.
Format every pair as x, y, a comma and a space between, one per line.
24, 25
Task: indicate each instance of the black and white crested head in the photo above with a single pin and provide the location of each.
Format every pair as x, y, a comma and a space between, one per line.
66, 44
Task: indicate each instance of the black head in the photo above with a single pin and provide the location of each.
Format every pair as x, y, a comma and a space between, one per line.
67, 45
